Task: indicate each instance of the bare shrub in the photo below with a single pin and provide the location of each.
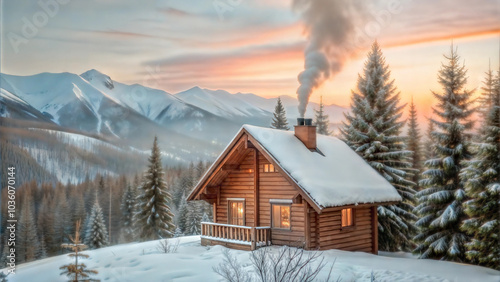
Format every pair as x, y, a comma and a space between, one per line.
164, 246
231, 270
286, 265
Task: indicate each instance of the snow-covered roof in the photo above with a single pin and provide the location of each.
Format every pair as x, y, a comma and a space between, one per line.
336, 176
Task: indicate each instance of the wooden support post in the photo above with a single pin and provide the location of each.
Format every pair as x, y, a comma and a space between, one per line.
307, 228
256, 197
214, 212
253, 239
374, 215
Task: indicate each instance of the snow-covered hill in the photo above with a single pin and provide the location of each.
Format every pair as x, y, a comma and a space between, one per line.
192, 262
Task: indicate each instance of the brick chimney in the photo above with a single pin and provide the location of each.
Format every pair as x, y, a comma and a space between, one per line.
306, 132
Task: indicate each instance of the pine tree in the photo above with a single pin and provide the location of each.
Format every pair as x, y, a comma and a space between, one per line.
27, 245
183, 215
62, 218
430, 142
128, 211
321, 120
43, 249
414, 145
178, 233
96, 234
482, 176
77, 271
373, 131
205, 218
45, 224
153, 218
193, 221
279, 120
441, 202
488, 91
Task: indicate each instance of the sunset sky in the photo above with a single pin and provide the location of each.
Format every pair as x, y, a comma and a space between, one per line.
244, 45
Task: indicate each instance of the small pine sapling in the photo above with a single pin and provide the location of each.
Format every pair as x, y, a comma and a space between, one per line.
77, 271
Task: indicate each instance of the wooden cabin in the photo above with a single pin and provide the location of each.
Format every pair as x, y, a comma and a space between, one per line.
292, 188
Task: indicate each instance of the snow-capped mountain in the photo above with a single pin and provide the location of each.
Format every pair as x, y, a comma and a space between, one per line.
165, 109
94, 103
334, 112
12, 106
222, 103
71, 101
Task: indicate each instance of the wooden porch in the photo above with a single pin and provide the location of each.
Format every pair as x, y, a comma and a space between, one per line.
235, 236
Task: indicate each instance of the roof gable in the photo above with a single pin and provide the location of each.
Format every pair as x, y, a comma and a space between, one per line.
334, 176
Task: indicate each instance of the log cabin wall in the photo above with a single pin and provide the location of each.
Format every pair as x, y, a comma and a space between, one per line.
238, 184
274, 186
356, 238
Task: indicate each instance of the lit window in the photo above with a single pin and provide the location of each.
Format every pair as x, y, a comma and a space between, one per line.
281, 216
237, 212
347, 218
269, 168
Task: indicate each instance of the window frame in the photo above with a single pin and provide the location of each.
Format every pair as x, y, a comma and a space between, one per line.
353, 219
229, 210
266, 168
279, 203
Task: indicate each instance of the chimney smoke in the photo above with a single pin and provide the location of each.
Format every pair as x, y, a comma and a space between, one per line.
330, 30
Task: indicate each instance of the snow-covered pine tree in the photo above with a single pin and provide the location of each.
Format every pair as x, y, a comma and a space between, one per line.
193, 221
77, 271
441, 200
27, 245
429, 143
279, 120
178, 233
482, 184
184, 184
43, 249
485, 100
96, 235
373, 131
182, 217
153, 218
321, 120
128, 211
414, 145
206, 218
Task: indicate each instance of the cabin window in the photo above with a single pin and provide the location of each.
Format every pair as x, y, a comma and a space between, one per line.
347, 217
269, 168
280, 216
236, 212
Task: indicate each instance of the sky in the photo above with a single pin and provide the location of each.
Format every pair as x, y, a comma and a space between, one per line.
254, 46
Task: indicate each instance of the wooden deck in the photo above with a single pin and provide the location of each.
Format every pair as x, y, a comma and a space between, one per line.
235, 236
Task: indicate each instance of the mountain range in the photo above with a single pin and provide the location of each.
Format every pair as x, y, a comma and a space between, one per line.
94, 103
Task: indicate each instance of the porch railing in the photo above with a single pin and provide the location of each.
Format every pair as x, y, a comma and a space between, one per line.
246, 235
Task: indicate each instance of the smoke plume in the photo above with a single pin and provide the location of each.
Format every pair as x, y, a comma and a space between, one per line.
329, 28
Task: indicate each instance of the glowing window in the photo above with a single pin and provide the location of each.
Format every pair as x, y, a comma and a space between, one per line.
269, 168
237, 212
347, 218
281, 216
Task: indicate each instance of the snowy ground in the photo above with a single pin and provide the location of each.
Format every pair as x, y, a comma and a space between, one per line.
193, 262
